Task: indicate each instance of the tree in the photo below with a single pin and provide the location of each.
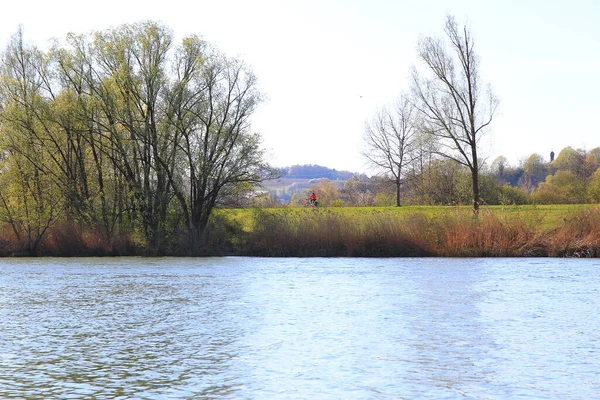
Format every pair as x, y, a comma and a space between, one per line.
453, 105
449, 183
442, 182
28, 189
535, 170
327, 191
498, 166
591, 163
132, 66
391, 138
578, 161
101, 189
209, 108
594, 155
512, 175
593, 189
420, 174
564, 187
495, 191
124, 126
179, 126
359, 191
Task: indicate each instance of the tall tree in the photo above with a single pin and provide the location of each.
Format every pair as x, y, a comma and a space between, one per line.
209, 107
134, 61
498, 166
535, 170
576, 161
454, 106
391, 139
28, 193
593, 189
100, 181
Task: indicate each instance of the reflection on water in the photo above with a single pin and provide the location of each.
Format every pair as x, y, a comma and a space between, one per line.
299, 328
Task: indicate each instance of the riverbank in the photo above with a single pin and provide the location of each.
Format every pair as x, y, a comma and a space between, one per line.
518, 231
429, 232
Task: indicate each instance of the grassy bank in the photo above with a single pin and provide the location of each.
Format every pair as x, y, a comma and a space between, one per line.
554, 231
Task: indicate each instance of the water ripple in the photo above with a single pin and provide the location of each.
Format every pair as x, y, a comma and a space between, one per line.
298, 328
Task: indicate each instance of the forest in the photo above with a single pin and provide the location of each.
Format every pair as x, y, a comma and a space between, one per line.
572, 177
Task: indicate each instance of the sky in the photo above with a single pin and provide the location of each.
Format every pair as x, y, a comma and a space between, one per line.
327, 66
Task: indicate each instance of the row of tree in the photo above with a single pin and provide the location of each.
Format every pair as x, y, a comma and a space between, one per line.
124, 131
572, 178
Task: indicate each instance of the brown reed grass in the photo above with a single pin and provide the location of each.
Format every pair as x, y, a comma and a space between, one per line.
457, 233
320, 232
578, 237
323, 232
463, 234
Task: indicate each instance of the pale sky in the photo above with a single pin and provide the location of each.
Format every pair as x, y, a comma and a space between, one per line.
326, 66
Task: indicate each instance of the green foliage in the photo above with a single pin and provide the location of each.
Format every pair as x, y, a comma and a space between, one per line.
494, 193
535, 171
384, 199
359, 191
443, 182
593, 189
327, 192
573, 161
508, 195
413, 231
564, 187
337, 203
124, 131
539, 217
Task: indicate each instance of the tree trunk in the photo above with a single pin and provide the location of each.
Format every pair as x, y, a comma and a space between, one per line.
475, 178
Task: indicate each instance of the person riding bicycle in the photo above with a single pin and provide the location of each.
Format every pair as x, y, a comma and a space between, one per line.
313, 198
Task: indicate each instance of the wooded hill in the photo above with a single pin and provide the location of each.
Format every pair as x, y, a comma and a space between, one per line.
312, 171
299, 178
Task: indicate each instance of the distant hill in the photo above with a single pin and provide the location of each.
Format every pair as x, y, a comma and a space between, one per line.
298, 178
313, 172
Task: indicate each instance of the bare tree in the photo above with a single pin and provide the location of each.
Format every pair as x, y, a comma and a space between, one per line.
420, 174
391, 138
454, 107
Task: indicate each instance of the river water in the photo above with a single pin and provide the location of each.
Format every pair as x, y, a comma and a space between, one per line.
308, 328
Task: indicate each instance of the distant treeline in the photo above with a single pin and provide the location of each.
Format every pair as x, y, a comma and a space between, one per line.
572, 177
314, 171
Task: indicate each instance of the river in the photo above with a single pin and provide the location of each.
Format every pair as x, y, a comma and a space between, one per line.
299, 328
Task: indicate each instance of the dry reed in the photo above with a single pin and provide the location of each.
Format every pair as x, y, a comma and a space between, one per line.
457, 233
323, 232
